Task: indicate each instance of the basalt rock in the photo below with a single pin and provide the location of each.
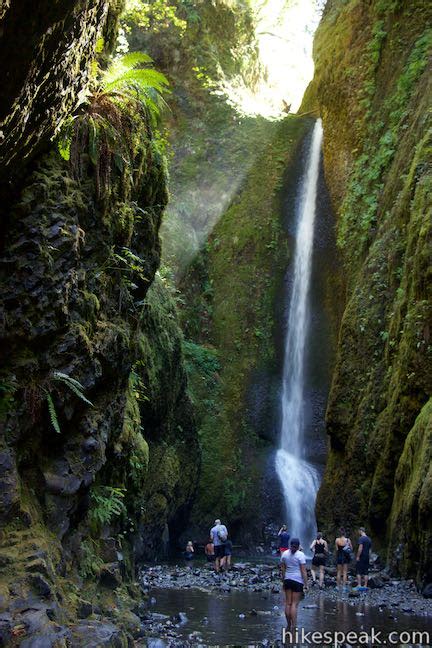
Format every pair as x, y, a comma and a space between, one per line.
94, 402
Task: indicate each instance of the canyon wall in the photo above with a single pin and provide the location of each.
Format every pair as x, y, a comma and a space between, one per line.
373, 88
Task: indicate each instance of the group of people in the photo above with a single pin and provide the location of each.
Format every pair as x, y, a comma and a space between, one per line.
218, 549
293, 565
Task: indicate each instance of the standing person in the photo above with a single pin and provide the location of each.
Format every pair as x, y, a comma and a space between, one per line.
189, 551
320, 548
362, 564
228, 554
294, 579
219, 535
284, 537
343, 557
209, 551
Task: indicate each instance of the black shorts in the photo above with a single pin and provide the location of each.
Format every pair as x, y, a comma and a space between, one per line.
293, 585
318, 560
362, 567
219, 551
343, 558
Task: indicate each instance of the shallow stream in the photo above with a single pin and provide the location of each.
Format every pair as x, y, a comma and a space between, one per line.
246, 618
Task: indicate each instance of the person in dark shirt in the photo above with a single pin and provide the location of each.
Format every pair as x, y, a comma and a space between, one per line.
284, 538
228, 554
363, 551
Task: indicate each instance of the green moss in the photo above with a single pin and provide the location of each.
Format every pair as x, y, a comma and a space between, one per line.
380, 181
411, 515
232, 326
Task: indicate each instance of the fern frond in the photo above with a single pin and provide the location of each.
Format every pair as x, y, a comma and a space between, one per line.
74, 385
53, 414
143, 78
121, 65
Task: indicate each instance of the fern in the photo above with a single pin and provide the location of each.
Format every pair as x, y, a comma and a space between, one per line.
53, 414
126, 77
74, 385
128, 90
106, 505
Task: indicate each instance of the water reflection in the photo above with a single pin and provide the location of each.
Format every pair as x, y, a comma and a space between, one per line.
244, 618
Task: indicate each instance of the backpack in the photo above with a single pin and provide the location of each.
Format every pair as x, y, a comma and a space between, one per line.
222, 534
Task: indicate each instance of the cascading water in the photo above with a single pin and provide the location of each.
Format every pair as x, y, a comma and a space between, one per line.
299, 478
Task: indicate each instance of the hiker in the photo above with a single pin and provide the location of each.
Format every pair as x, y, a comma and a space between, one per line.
294, 579
320, 548
284, 537
228, 554
343, 557
210, 551
189, 551
219, 535
362, 563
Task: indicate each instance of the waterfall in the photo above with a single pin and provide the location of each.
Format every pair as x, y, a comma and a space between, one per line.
299, 478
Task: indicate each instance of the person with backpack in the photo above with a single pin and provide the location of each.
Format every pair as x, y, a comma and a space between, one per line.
219, 535
320, 548
343, 558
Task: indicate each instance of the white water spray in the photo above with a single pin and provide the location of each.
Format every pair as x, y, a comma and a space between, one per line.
300, 480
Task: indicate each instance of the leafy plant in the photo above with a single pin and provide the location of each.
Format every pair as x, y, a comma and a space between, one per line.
72, 384
106, 505
89, 563
127, 78
128, 91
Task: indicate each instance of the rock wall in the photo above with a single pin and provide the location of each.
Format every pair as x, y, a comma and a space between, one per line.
98, 451
373, 87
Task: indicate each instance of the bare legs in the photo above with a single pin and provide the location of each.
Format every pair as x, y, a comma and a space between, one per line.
342, 575
292, 599
359, 579
321, 576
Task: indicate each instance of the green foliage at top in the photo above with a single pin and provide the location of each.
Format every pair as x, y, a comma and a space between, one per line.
155, 15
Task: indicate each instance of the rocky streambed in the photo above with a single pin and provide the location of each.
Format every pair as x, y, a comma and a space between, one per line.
193, 606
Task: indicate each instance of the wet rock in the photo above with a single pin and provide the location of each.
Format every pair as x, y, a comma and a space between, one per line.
40, 585
84, 610
181, 617
97, 634
353, 594
376, 582
427, 591
5, 629
109, 550
110, 576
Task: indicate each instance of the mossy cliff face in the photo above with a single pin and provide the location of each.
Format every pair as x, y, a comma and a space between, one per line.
231, 321
98, 449
373, 87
